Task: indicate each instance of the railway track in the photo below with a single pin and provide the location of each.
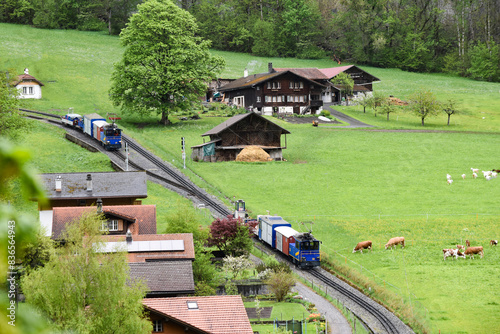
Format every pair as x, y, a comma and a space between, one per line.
385, 322
181, 181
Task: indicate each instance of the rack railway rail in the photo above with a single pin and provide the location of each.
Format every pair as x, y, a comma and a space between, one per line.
179, 182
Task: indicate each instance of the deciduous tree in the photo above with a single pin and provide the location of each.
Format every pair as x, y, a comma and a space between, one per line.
230, 235
450, 109
85, 291
11, 121
423, 103
280, 284
165, 66
345, 83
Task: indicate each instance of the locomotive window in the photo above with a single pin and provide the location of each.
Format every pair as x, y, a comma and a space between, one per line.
315, 245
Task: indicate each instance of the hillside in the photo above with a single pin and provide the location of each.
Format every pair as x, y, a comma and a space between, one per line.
353, 184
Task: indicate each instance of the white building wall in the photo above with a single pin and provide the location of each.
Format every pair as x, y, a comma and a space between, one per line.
26, 93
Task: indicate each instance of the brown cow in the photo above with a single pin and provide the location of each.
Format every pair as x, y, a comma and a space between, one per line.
393, 242
461, 247
474, 250
467, 243
493, 242
362, 245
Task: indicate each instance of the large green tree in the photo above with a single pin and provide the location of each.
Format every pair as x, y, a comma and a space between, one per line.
165, 66
85, 291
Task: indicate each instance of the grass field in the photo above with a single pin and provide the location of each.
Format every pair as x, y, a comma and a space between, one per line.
353, 184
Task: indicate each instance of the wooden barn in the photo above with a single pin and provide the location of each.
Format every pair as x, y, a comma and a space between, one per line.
230, 137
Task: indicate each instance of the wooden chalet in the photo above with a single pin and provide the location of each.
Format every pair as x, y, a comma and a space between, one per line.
363, 82
267, 93
230, 137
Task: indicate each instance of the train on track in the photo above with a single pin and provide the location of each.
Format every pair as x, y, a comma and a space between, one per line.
94, 125
301, 248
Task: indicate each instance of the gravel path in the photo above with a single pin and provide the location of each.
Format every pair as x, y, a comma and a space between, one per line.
353, 123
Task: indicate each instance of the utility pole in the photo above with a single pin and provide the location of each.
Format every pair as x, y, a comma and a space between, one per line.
183, 147
126, 156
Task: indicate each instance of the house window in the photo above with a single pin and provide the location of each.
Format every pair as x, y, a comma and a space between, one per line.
257, 87
296, 98
301, 98
267, 98
25, 90
268, 85
290, 98
30, 90
274, 98
301, 85
157, 326
113, 225
258, 99
291, 84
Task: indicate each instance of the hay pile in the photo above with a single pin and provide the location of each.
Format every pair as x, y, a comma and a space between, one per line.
253, 154
397, 102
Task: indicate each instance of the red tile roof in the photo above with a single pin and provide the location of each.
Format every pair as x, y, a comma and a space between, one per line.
24, 78
215, 314
143, 216
333, 71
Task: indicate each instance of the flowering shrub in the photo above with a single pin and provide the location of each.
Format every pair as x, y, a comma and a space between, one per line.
314, 317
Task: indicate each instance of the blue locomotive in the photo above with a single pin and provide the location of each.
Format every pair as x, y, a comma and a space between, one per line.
301, 248
94, 125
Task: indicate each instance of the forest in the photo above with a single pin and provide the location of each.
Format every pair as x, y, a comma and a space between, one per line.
459, 37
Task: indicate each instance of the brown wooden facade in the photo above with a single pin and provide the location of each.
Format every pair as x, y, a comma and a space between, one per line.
284, 92
231, 136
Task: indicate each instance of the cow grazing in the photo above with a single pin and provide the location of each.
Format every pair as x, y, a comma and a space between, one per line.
452, 252
461, 247
493, 242
467, 243
363, 245
393, 242
474, 250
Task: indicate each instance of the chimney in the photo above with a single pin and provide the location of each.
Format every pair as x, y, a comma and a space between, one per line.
58, 183
99, 205
89, 182
270, 68
245, 73
128, 236
26, 71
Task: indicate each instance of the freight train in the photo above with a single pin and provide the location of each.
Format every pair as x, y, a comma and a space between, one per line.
301, 248
94, 125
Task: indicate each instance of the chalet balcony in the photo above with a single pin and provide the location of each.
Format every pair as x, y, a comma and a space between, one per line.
316, 103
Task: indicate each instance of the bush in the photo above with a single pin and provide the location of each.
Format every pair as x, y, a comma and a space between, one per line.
325, 113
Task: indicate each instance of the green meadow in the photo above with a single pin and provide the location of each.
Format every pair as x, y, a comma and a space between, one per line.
354, 185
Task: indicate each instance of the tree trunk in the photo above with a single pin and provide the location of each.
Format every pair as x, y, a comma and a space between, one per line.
449, 119
423, 121
387, 116
364, 109
109, 20
164, 118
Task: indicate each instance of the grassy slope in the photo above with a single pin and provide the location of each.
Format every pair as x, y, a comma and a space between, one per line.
343, 180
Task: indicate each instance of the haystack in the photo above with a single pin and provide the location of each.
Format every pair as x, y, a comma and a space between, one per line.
253, 154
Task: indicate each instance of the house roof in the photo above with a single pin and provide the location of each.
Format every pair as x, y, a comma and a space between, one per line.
238, 118
104, 185
214, 314
164, 277
187, 238
26, 77
333, 71
255, 79
310, 73
144, 216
